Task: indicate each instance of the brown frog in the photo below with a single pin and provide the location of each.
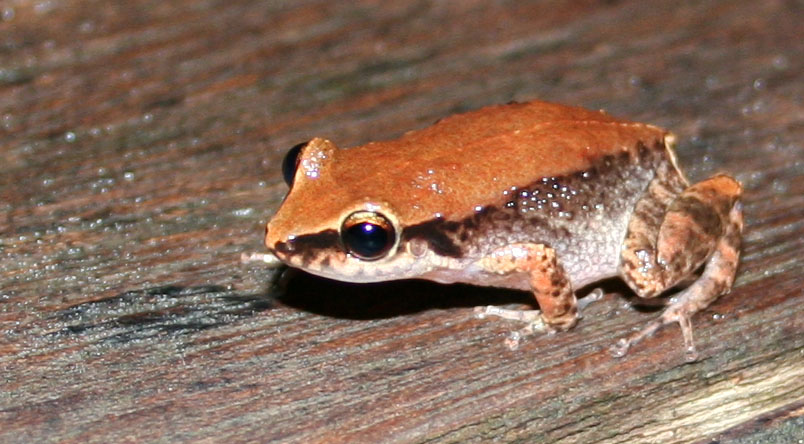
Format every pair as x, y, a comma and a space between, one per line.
531, 196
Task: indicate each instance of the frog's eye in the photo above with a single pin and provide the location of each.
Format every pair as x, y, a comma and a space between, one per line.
368, 235
291, 162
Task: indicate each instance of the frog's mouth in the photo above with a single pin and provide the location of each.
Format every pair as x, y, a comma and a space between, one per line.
335, 263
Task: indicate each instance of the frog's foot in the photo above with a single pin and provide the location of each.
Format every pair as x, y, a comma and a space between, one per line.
532, 319
679, 312
269, 259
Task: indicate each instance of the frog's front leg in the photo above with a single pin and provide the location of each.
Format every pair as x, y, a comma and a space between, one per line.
550, 284
666, 243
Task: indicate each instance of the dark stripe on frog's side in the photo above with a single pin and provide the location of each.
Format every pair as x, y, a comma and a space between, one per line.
309, 244
450, 238
438, 234
549, 210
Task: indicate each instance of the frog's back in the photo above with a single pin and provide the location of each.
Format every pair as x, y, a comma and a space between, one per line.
468, 159
501, 120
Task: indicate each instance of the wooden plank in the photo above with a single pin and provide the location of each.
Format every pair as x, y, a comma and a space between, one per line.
140, 146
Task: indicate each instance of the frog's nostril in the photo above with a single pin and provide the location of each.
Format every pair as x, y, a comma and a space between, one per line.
284, 247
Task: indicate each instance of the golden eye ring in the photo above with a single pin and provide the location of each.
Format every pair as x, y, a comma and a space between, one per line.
368, 235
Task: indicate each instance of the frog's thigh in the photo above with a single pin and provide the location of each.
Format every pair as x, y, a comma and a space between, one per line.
662, 248
548, 280
703, 224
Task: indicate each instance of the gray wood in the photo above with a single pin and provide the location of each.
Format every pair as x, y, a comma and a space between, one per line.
140, 145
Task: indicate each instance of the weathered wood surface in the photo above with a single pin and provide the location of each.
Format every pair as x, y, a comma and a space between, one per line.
140, 143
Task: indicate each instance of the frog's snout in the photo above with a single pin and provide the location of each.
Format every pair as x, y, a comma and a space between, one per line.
275, 244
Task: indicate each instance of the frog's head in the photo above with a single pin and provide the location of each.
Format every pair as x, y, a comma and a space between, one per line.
335, 225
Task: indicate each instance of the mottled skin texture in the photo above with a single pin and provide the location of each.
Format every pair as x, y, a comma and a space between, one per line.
533, 196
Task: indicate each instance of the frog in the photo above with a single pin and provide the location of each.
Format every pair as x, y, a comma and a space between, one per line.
532, 196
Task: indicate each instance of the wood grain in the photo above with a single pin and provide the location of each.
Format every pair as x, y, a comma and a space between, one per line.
140, 147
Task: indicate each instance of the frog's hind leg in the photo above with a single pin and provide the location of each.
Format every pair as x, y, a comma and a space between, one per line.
700, 225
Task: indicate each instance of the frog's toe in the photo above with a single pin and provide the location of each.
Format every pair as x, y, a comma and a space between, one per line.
512, 341
621, 347
683, 318
537, 326
593, 296
527, 316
